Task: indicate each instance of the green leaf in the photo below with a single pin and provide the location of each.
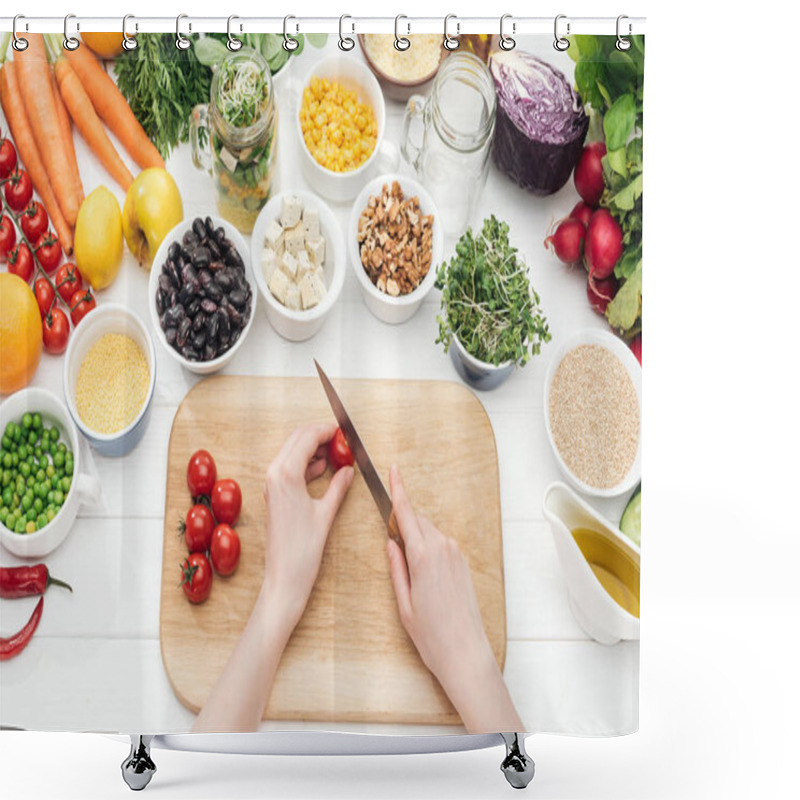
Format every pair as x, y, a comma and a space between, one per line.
625, 198
626, 308
617, 160
317, 39
270, 45
278, 60
619, 121
209, 51
630, 260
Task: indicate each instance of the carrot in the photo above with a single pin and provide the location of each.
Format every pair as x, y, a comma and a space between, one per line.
88, 123
113, 108
36, 89
14, 110
66, 131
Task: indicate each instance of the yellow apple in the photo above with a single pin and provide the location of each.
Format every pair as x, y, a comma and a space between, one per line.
153, 207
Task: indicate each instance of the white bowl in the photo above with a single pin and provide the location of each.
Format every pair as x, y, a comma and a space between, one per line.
109, 318
356, 76
603, 338
84, 489
176, 235
385, 307
297, 326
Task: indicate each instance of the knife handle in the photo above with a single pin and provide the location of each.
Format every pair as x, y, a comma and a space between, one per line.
394, 532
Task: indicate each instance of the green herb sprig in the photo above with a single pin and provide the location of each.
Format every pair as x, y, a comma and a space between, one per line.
488, 303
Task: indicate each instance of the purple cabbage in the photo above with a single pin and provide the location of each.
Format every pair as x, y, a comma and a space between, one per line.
540, 124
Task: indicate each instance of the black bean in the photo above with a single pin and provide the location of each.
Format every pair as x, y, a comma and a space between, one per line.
164, 283
201, 257
209, 226
235, 317
237, 298
189, 273
160, 302
216, 253
189, 353
209, 352
224, 280
209, 306
233, 258
198, 340
216, 266
235, 336
225, 245
174, 276
172, 300
224, 325
190, 240
219, 235
212, 329
174, 251
173, 316
172, 335
198, 228
193, 309
199, 320
183, 331
205, 277
185, 295
214, 292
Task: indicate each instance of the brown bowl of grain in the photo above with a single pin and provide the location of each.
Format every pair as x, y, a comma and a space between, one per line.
402, 73
592, 408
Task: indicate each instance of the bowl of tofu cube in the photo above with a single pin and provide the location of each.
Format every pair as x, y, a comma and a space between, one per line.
298, 257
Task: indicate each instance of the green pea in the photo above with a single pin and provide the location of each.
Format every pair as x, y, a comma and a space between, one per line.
6, 477
54, 434
69, 467
41, 521
11, 520
58, 497
40, 476
58, 459
8, 496
37, 421
66, 484
9, 431
27, 420
6, 442
17, 433
20, 526
62, 448
37, 451
8, 462
50, 470
51, 513
14, 460
30, 481
51, 498
25, 468
31, 526
4, 512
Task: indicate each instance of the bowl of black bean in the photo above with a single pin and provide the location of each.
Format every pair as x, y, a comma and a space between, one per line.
201, 293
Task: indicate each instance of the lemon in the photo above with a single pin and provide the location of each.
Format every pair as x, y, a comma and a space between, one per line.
98, 238
20, 333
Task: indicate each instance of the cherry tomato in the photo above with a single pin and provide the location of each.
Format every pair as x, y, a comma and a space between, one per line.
197, 576
339, 453
197, 528
201, 474
44, 294
8, 237
225, 549
19, 190
8, 158
68, 281
226, 501
34, 221
20, 262
48, 251
55, 331
81, 304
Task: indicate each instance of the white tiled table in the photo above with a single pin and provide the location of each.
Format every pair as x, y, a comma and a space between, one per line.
95, 662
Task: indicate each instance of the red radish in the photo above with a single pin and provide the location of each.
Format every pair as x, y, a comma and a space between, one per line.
603, 244
636, 347
567, 240
582, 212
601, 293
589, 173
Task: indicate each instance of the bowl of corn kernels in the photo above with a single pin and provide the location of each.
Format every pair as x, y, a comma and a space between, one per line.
341, 119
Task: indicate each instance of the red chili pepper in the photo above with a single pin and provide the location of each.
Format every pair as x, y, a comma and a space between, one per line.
27, 581
15, 644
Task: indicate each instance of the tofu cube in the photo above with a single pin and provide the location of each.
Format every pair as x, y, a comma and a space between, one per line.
303, 264
320, 273
312, 290
291, 210
294, 239
269, 262
288, 264
273, 239
293, 298
280, 286
311, 223
316, 250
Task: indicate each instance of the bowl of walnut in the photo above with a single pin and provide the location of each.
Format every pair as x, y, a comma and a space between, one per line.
395, 241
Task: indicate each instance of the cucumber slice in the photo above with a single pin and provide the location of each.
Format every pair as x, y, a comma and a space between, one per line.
631, 522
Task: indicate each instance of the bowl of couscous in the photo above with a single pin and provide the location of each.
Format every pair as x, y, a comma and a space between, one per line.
340, 122
109, 378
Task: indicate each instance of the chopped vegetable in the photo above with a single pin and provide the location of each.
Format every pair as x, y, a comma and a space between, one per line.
540, 123
339, 453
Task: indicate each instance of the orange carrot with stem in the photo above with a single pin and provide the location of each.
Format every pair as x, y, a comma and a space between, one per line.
14, 110
113, 108
36, 88
66, 131
88, 123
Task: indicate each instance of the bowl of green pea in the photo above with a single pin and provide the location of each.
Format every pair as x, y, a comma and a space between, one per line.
41, 482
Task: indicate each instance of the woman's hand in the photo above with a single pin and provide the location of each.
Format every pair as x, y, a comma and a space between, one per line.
297, 524
439, 610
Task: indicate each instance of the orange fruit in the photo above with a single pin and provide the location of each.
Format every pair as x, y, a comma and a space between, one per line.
20, 333
106, 44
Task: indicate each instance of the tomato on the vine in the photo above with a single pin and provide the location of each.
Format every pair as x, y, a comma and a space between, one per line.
225, 549
55, 331
68, 281
48, 251
44, 294
201, 474
339, 453
197, 577
19, 190
197, 528
8, 158
34, 221
81, 304
8, 237
226, 501
20, 262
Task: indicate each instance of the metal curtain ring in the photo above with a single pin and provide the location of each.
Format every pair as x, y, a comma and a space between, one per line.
129, 42
507, 42
451, 42
181, 42
18, 44
560, 43
345, 42
70, 42
290, 44
234, 44
623, 43
401, 43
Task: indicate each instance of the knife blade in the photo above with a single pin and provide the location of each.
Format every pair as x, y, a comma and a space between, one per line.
371, 477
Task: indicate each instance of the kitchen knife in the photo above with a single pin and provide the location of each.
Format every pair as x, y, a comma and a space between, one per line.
371, 477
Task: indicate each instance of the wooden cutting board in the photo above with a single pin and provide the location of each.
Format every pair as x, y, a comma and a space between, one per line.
349, 658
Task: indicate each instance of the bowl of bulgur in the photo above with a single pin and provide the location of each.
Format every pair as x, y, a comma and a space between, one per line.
592, 409
109, 378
